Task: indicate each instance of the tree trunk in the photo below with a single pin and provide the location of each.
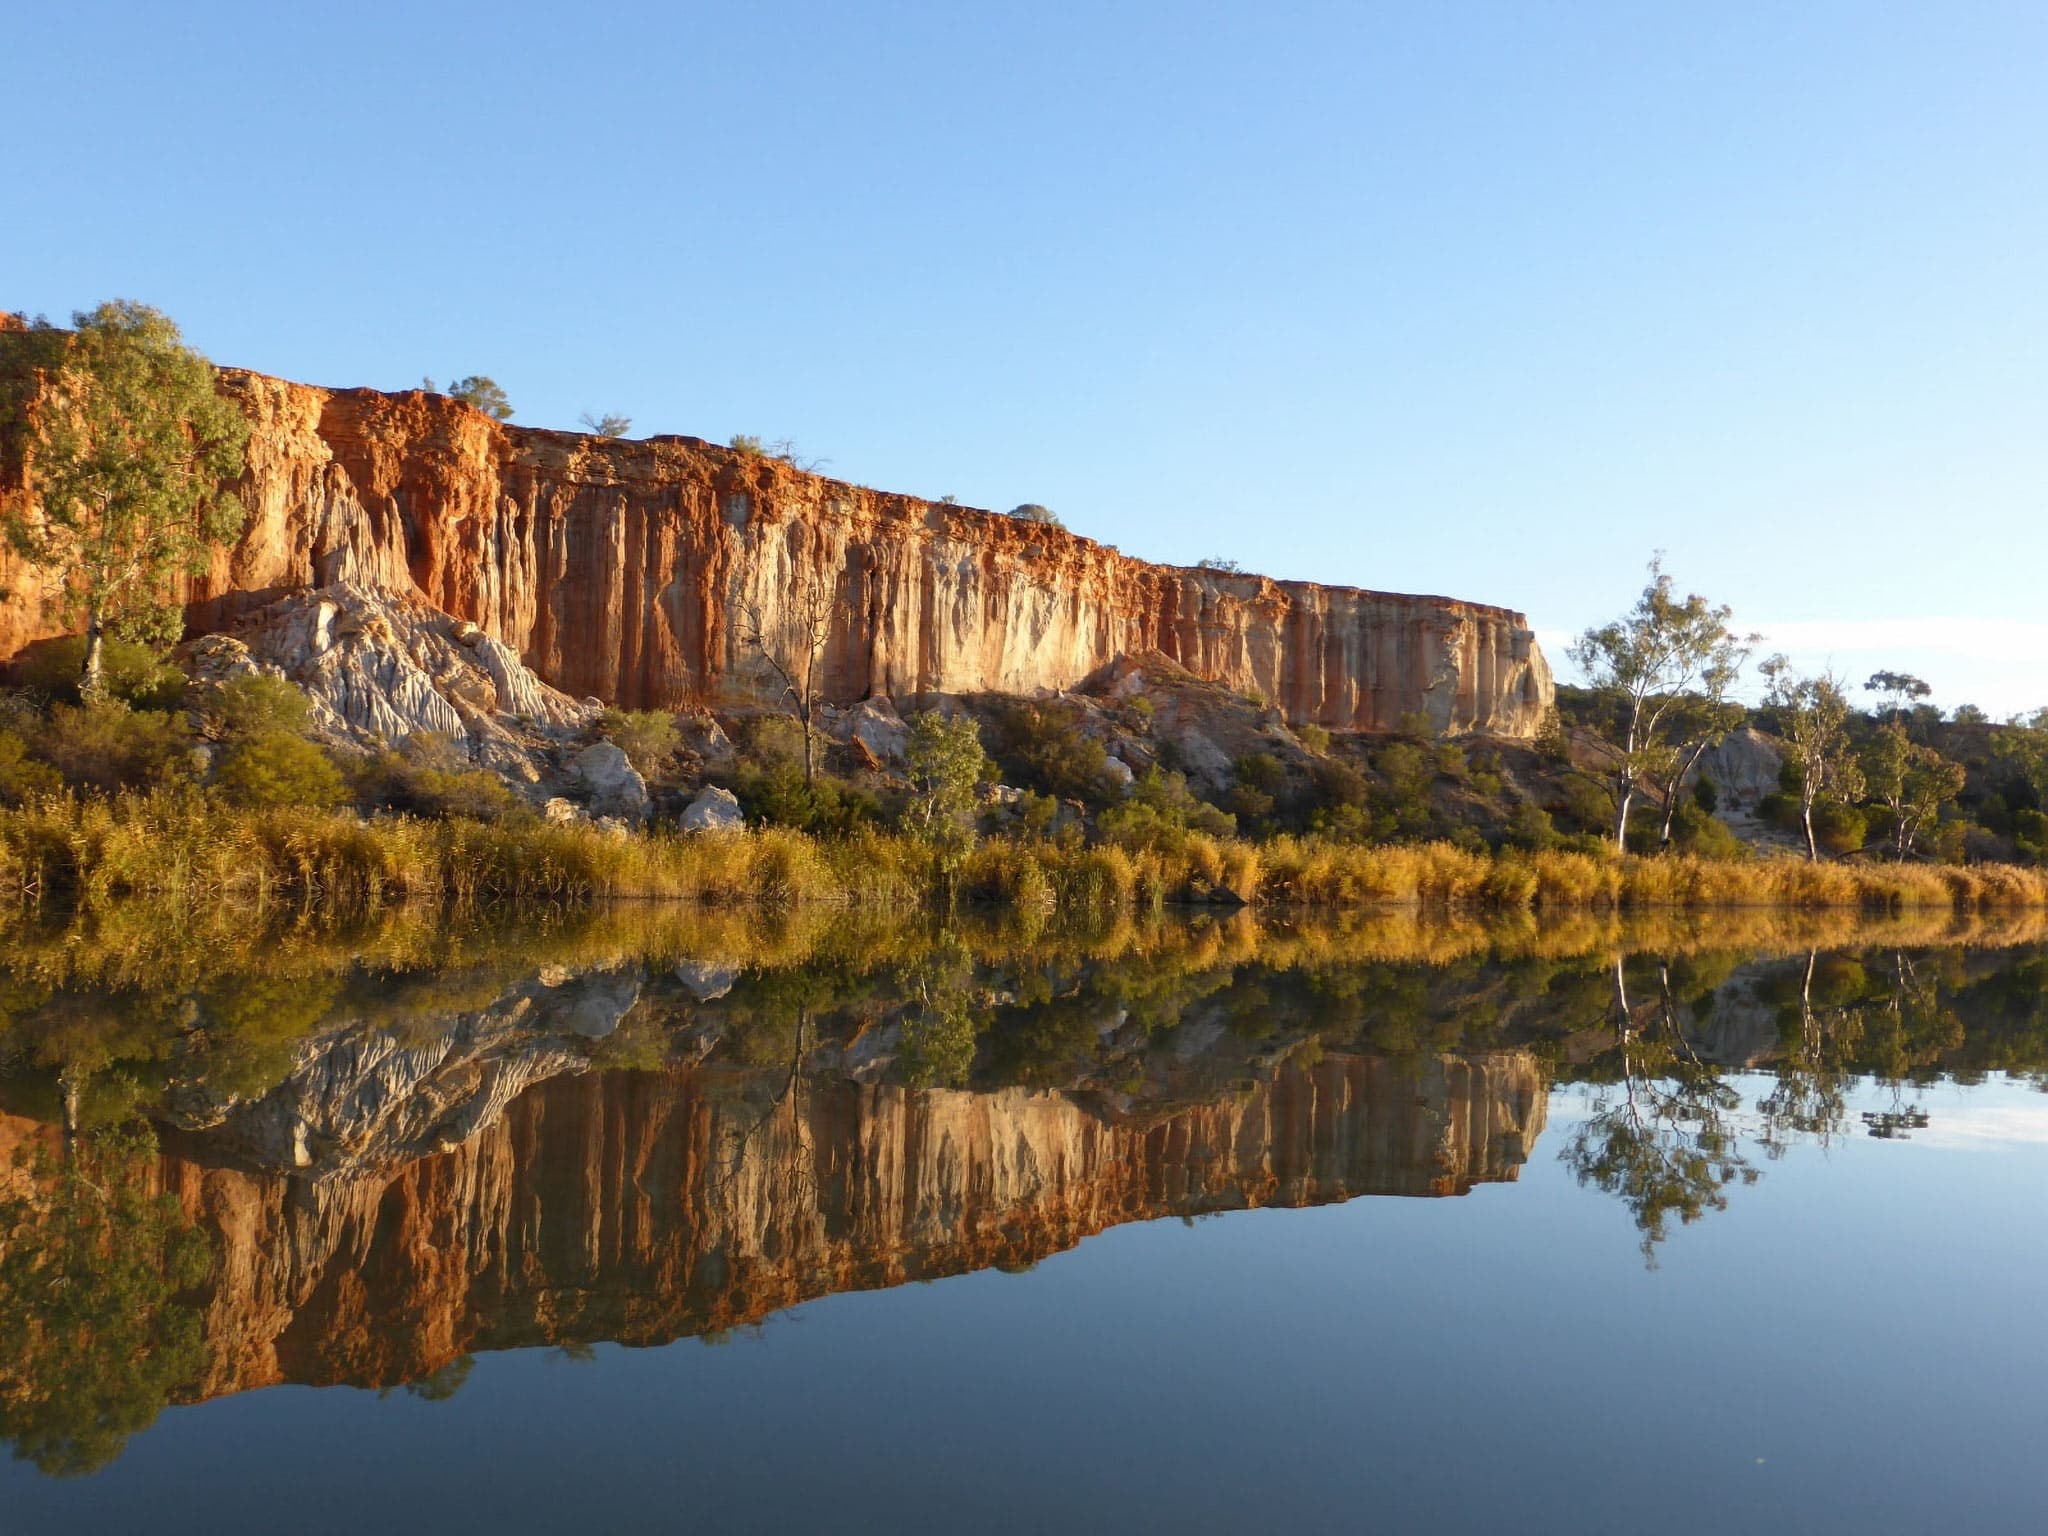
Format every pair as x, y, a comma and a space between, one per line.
1812, 847
92, 676
1627, 798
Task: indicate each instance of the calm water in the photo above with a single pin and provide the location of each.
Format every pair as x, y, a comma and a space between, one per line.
651, 1222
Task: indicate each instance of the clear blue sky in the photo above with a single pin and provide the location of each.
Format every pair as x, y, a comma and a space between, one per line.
1484, 299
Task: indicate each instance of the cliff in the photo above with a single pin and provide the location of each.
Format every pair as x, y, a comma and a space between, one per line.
642, 1207
618, 569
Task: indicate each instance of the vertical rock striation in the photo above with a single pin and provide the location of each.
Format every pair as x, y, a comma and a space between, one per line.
617, 569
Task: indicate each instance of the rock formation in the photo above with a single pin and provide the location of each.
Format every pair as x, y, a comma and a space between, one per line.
617, 570
641, 1207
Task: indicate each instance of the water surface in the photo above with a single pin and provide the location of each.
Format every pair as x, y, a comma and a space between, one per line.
663, 1220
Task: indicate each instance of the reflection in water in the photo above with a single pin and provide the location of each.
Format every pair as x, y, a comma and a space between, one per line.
380, 1157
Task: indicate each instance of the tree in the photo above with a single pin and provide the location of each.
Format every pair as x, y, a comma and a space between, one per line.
945, 762
610, 424
1697, 723
127, 446
1032, 512
1649, 659
1898, 692
1814, 713
1911, 781
794, 651
482, 393
2023, 747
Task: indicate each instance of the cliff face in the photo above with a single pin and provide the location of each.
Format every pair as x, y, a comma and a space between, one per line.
620, 569
642, 1207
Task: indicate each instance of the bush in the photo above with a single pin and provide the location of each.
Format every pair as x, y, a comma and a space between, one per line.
1838, 828
278, 768
132, 674
1160, 812
1313, 738
22, 778
1043, 746
108, 746
1530, 827
646, 736
1032, 512
774, 794
429, 777
256, 704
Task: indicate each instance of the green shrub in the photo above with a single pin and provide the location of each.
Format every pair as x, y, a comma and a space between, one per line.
133, 674
1313, 738
1032, 512
1530, 827
107, 746
1838, 828
256, 704
278, 768
1042, 746
22, 778
430, 777
1160, 812
646, 736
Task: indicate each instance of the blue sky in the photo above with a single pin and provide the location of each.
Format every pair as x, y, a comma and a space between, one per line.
1483, 299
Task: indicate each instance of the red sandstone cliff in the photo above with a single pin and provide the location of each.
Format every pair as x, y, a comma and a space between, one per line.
645, 1206
616, 569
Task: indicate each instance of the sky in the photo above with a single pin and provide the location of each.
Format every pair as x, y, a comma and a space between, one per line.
1489, 300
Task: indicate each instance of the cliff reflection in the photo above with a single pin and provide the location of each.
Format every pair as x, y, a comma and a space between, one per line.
397, 1151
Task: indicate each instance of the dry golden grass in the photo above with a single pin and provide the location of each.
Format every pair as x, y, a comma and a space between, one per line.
91, 853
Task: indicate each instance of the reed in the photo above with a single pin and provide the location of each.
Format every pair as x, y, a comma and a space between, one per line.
92, 853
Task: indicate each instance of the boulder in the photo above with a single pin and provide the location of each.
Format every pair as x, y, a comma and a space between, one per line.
560, 810
877, 727
612, 785
704, 980
714, 810
1118, 773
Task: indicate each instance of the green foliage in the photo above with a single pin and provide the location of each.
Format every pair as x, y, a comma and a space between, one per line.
1551, 743
128, 444
1408, 770
747, 443
646, 736
1221, 567
1705, 795
775, 794
429, 777
1530, 827
277, 768
480, 392
1032, 512
107, 746
945, 762
95, 1336
255, 704
1314, 738
609, 424
1043, 746
22, 777
1814, 714
1160, 812
1838, 828
133, 674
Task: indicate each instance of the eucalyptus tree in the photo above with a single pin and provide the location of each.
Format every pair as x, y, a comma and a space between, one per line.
1658, 660
1814, 714
128, 447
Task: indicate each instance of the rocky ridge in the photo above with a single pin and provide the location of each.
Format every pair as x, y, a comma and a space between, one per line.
619, 571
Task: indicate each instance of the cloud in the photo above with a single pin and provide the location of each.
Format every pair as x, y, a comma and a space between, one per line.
1985, 1127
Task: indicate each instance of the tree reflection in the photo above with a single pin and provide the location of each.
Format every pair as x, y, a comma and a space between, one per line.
1663, 1138
95, 1336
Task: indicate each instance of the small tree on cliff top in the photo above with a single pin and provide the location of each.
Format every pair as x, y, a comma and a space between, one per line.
127, 444
1659, 652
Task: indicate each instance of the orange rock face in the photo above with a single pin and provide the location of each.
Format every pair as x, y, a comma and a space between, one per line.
619, 569
641, 1207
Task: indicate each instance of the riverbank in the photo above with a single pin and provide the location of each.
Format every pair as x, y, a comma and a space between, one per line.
88, 853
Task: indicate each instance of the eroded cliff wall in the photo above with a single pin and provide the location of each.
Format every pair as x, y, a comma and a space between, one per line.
621, 570
645, 1206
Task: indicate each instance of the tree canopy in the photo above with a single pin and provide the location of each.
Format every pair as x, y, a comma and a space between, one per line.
127, 445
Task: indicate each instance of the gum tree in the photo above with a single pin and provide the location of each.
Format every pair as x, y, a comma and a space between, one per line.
1652, 660
127, 445
1814, 715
